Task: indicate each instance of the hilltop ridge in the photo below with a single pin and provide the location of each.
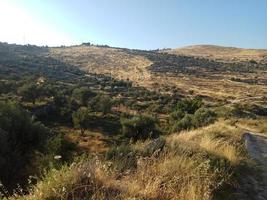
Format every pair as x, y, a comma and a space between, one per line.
221, 53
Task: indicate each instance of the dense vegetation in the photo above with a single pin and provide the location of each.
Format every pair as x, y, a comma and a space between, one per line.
178, 64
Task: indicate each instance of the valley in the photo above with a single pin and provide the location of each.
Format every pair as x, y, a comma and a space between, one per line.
98, 122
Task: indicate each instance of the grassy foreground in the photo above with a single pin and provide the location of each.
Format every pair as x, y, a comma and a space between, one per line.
198, 164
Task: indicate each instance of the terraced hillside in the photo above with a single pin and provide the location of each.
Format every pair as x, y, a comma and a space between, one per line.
210, 78
194, 73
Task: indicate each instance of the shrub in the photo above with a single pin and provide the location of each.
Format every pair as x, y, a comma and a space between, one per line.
124, 157
187, 122
204, 117
20, 136
81, 119
56, 146
101, 103
242, 111
177, 115
82, 95
139, 127
253, 62
29, 92
189, 105
154, 107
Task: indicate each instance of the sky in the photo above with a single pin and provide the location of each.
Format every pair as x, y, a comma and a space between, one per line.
138, 24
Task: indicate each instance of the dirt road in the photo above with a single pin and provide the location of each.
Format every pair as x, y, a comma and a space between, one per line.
256, 145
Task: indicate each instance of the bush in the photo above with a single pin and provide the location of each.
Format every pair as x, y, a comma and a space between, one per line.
189, 106
177, 115
124, 157
20, 136
190, 114
204, 117
82, 95
81, 119
23, 131
29, 92
187, 122
101, 103
119, 151
139, 127
56, 146
242, 111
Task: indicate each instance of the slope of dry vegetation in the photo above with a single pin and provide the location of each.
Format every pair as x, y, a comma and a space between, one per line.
177, 137
193, 165
206, 76
105, 60
227, 54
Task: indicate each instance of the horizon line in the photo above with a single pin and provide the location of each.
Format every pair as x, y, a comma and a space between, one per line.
117, 47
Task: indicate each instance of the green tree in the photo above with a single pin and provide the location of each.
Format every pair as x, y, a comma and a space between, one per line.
139, 127
29, 92
101, 103
81, 119
82, 95
20, 136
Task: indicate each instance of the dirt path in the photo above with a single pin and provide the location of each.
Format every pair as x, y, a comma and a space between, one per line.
256, 145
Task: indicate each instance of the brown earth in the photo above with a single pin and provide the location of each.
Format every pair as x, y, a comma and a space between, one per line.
227, 54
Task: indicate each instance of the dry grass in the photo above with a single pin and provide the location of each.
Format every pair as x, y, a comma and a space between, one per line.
193, 166
108, 61
255, 125
221, 53
220, 139
93, 142
122, 65
171, 177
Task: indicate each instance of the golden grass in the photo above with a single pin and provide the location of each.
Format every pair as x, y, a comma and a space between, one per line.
221, 53
193, 166
122, 65
255, 125
171, 177
93, 142
220, 139
108, 61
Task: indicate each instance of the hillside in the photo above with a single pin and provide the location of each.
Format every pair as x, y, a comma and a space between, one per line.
228, 80
194, 72
227, 54
97, 122
167, 72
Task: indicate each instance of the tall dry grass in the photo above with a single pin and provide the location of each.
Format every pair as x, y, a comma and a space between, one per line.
194, 165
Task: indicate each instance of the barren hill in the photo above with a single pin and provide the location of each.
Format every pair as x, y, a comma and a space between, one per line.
104, 60
222, 53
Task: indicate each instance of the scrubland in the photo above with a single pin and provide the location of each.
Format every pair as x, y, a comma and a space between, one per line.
95, 122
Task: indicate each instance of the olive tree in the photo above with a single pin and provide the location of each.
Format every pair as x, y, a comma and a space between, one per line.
81, 119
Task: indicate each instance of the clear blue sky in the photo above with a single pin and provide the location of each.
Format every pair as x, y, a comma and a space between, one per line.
142, 24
